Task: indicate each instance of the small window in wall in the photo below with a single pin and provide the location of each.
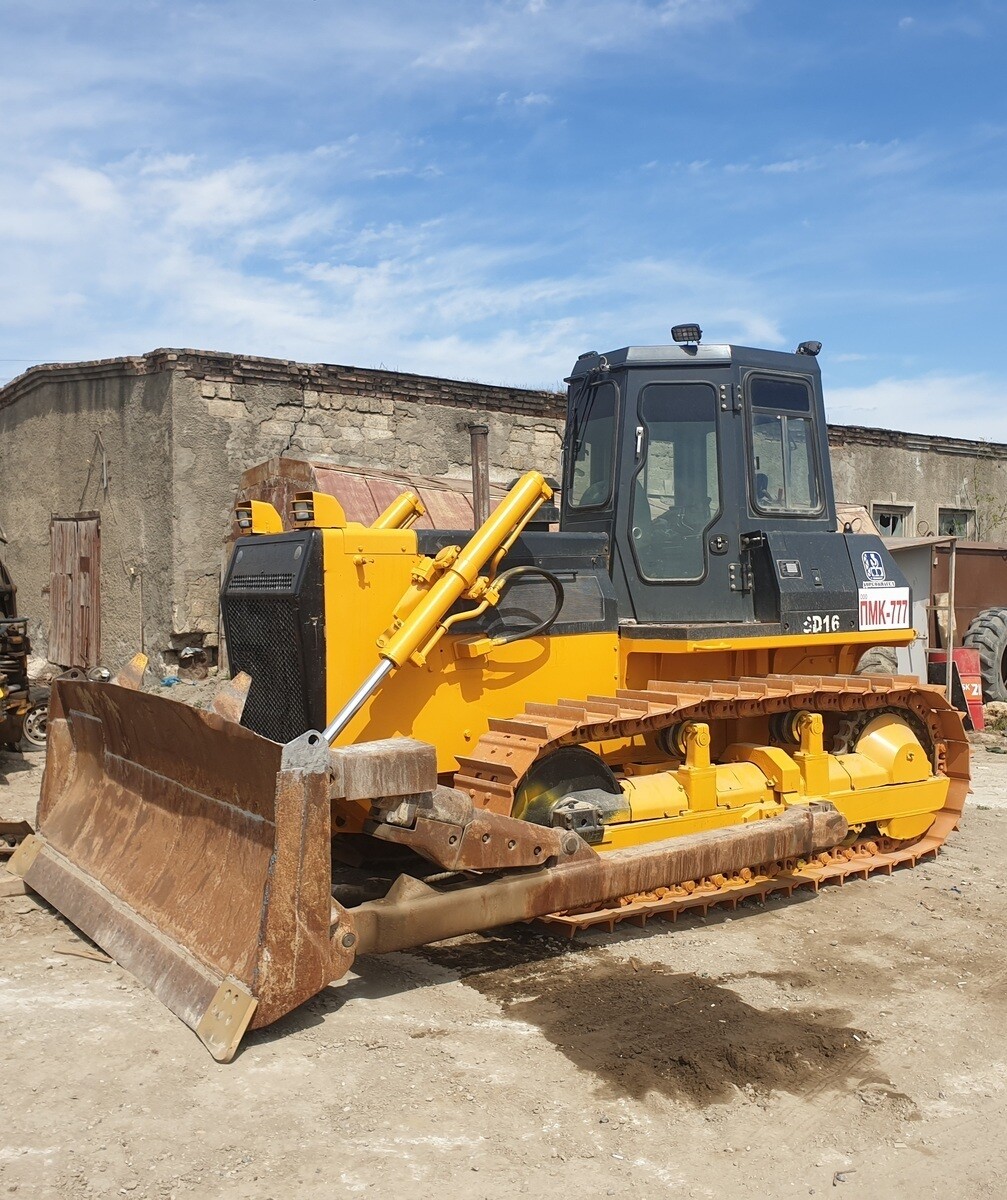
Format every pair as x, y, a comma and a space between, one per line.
590, 484
893, 520
956, 522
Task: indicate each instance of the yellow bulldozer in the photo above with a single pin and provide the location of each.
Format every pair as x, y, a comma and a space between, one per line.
640, 704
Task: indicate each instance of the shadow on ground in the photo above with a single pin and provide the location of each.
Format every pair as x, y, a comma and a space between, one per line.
637, 1028
640, 1028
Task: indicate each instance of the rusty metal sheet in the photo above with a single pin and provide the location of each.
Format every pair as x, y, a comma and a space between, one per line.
448, 510
383, 492
980, 579
363, 493
352, 493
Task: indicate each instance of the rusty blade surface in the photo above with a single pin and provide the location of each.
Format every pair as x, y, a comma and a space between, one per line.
412, 916
190, 849
168, 808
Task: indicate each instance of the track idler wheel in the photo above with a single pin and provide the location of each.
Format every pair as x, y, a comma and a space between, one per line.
571, 770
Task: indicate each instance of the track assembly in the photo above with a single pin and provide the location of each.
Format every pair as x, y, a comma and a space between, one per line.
493, 773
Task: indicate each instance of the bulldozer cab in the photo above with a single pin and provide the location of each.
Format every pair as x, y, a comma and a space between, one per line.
706, 466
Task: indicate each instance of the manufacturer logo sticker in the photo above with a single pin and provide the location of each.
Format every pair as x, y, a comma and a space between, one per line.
874, 566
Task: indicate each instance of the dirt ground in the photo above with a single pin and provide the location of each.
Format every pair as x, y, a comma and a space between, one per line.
851, 1041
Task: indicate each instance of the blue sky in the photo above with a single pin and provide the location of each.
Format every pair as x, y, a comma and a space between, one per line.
485, 189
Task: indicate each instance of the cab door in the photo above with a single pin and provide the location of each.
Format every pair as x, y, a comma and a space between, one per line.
677, 537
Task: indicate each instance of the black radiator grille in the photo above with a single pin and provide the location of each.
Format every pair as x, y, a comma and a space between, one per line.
264, 581
264, 640
273, 608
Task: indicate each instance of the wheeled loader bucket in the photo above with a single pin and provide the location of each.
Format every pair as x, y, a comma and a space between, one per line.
193, 851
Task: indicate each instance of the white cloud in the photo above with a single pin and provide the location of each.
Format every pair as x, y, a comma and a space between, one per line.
528, 100
89, 190
865, 159
967, 405
173, 250
536, 38
962, 23
790, 166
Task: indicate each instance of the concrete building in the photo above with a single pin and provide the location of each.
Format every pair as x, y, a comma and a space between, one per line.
119, 477
914, 485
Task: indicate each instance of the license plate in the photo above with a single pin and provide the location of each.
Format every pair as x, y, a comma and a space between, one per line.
884, 608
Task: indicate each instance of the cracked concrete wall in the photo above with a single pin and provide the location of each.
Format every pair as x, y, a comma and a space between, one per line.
378, 431
924, 475
222, 427
53, 464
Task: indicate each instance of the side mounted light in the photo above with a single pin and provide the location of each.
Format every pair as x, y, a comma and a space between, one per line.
257, 516
318, 510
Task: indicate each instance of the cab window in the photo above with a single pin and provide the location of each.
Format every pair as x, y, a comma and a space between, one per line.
593, 458
784, 475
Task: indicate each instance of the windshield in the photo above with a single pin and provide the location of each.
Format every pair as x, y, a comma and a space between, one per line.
785, 471
676, 492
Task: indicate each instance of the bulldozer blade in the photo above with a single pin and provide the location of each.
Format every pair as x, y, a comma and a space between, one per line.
194, 852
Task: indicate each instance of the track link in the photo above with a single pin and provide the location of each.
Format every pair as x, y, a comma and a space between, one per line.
492, 774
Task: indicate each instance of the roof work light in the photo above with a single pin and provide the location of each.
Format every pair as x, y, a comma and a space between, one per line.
686, 334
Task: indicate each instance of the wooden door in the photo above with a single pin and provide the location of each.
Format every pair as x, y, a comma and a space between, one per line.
75, 591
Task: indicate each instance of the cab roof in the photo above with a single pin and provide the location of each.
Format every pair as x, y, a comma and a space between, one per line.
707, 355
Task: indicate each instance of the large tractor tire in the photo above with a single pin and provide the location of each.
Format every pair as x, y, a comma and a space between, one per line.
988, 635
879, 660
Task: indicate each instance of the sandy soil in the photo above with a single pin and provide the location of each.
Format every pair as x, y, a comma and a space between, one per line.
850, 1044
